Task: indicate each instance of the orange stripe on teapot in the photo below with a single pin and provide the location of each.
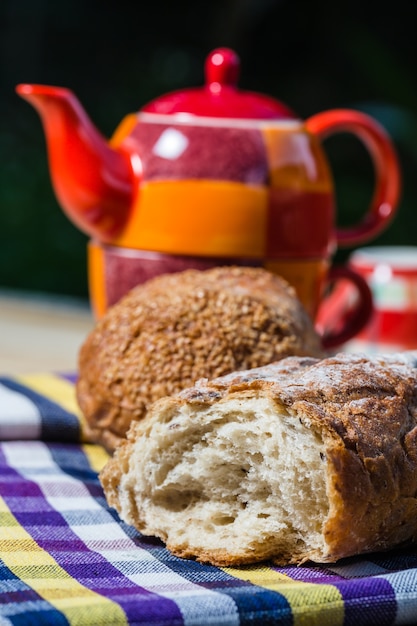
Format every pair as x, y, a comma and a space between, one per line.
207, 176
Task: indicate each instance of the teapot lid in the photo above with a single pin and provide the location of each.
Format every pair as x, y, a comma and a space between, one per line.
220, 97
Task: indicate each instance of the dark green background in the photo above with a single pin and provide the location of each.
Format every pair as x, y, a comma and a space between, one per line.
116, 56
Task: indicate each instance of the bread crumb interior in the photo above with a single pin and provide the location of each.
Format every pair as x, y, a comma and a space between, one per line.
241, 475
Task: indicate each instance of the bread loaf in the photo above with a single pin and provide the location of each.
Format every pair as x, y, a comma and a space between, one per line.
171, 331
303, 459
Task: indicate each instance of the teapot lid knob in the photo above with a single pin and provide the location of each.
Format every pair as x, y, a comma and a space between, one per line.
222, 68
220, 96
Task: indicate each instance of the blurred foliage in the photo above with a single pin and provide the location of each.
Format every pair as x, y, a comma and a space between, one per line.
116, 56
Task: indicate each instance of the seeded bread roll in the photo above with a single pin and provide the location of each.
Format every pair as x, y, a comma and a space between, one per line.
299, 460
171, 331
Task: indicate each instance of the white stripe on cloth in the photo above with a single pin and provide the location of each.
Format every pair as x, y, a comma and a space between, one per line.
19, 416
404, 585
107, 538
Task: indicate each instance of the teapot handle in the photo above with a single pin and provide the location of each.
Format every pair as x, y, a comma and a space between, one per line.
386, 166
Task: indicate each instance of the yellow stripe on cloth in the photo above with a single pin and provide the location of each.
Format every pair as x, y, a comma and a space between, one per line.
311, 604
96, 455
39, 570
58, 390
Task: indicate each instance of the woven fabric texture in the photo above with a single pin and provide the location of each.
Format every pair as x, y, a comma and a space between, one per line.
66, 558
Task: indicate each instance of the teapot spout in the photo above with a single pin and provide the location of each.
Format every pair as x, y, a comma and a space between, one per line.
93, 182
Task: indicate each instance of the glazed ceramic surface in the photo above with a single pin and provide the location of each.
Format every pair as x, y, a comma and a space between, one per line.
206, 176
391, 272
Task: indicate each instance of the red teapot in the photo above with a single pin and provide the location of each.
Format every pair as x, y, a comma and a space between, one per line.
208, 176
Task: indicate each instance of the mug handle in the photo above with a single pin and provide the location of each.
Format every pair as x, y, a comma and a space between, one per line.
387, 187
338, 321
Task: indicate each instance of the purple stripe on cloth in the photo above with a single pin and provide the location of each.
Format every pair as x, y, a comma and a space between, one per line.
371, 592
89, 567
71, 377
210, 578
375, 594
222, 589
312, 574
255, 604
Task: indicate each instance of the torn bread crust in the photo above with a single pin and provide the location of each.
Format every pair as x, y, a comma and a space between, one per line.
304, 459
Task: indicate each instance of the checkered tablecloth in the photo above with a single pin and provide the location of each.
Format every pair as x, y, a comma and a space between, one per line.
66, 558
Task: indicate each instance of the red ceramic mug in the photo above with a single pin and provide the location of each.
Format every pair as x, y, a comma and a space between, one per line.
391, 272
391, 275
